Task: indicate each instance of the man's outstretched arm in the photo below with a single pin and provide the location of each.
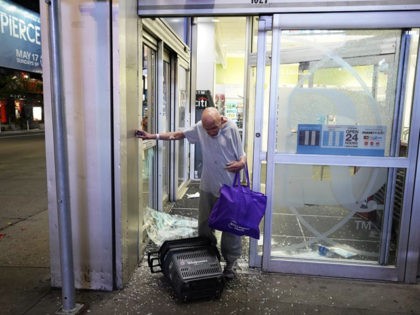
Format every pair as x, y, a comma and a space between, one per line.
174, 135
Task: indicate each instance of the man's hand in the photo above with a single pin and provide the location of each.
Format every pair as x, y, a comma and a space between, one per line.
143, 135
235, 166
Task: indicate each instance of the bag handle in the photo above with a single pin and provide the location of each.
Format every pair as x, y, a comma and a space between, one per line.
236, 180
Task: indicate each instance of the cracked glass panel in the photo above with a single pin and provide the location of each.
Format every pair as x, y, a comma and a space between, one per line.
333, 212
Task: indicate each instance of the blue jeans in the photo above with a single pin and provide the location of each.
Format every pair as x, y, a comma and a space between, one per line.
231, 244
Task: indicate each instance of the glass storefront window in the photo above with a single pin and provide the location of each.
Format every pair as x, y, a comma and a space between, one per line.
337, 91
332, 212
340, 111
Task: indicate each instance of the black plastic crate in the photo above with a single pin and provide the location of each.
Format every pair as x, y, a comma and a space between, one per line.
192, 267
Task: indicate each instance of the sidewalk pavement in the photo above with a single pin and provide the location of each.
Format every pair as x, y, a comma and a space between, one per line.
251, 293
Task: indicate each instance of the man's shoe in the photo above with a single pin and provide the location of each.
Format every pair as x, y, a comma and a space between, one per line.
229, 274
229, 271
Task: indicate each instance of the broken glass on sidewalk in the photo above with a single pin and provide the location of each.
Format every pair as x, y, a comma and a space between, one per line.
161, 226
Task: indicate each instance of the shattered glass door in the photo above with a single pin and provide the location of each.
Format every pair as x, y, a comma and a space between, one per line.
337, 121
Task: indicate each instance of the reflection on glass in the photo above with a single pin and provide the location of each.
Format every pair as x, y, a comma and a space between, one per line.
147, 178
148, 123
149, 86
409, 87
345, 79
181, 146
254, 40
331, 212
263, 180
166, 107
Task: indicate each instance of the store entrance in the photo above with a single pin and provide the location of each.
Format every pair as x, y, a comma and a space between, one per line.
334, 146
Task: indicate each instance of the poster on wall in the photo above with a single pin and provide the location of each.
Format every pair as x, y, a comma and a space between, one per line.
341, 139
20, 38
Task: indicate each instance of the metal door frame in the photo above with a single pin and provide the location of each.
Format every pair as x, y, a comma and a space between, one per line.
355, 20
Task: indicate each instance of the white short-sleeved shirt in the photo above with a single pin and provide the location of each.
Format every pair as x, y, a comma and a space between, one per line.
217, 152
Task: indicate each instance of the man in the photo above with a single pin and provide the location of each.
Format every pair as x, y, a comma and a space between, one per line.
223, 156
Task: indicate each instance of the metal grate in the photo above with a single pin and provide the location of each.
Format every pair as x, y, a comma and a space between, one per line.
197, 263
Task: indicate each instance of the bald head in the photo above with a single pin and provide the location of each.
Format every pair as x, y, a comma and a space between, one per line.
210, 114
212, 121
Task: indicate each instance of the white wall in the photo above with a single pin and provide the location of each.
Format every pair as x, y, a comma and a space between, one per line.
89, 107
206, 55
